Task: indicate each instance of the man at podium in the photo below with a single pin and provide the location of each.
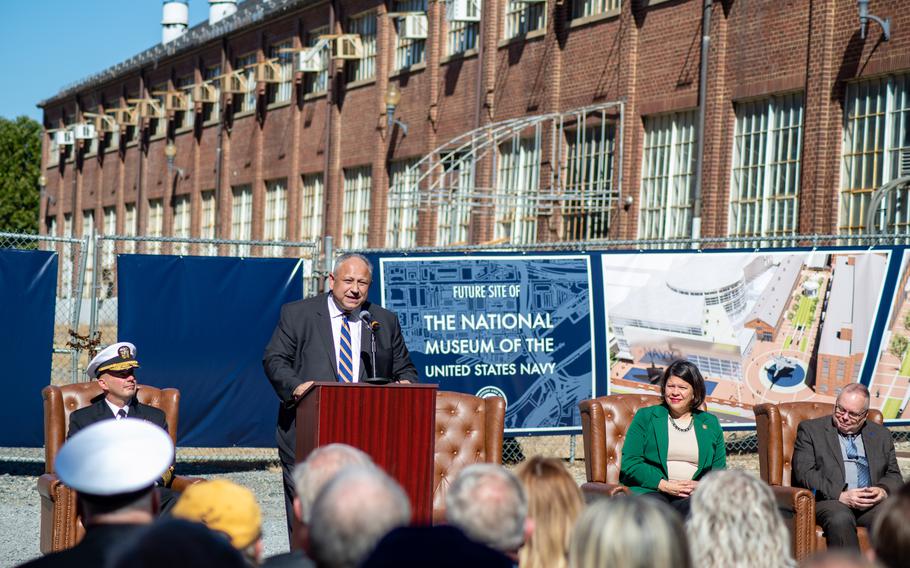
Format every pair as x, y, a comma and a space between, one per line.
329, 337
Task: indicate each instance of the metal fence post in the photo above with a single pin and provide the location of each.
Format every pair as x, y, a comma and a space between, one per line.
329, 254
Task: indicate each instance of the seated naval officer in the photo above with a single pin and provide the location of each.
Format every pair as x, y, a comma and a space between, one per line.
114, 369
112, 466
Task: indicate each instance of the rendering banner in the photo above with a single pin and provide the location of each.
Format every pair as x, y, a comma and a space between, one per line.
519, 327
890, 385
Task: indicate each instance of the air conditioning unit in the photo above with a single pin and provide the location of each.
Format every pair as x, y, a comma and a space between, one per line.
235, 82
905, 162
204, 93
309, 60
347, 46
103, 123
413, 26
124, 116
176, 101
267, 72
64, 138
149, 108
84, 131
463, 10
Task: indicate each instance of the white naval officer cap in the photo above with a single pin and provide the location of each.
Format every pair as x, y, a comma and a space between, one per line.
115, 357
113, 457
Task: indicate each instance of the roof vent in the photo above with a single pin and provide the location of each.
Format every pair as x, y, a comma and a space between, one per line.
174, 20
221, 9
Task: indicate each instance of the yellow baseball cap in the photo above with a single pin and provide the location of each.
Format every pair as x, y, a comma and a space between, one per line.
222, 506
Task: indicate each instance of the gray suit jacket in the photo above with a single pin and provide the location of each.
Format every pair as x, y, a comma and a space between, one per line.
302, 349
818, 463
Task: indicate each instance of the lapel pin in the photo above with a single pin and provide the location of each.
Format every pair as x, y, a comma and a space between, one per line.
704, 426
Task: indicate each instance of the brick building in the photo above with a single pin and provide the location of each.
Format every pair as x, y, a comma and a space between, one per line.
803, 119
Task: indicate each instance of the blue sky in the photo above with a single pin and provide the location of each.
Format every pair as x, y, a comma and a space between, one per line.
47, 44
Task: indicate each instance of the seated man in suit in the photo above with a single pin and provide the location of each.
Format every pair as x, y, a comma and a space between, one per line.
324, 338
848, 463
114, 369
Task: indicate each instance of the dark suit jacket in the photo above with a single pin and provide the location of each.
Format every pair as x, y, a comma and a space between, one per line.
818, 463
101, 542
99, 410
644, 452
302, 349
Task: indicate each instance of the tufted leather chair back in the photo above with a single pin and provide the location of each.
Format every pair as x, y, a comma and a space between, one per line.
604, 422
60, 402
468, 430
775, 426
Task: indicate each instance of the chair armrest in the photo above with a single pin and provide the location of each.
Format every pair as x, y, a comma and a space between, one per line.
48, 484
797, 505
181, 482
593, 490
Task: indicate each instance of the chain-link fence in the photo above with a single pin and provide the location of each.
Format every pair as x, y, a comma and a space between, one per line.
71, 308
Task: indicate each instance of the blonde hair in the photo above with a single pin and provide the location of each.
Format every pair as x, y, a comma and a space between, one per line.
734, 522
554, 502
629, 532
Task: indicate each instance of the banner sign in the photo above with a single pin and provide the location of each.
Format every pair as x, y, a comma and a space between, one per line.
519, 327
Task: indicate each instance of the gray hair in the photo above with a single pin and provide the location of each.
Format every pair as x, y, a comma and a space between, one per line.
632, 532
488, 503
320, 466
746, 530
348, 256
351, 515
855, 388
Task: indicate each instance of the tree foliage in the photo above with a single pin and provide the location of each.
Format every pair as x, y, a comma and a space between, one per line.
898, 345
20, 166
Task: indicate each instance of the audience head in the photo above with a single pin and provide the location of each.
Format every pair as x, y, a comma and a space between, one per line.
321, 465
228, 508
352, 513
734, 520
851, 408
489, 504
441, 546
554, 503
678, 374
836, 559
629, 532
891, 531
113, 466
177, 543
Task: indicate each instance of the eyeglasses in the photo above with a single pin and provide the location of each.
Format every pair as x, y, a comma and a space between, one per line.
849, 413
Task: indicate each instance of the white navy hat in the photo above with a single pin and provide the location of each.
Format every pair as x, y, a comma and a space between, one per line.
112, 457
116, 357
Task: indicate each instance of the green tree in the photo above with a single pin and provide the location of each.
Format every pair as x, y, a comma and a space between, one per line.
20, 166
898, 345
907, 321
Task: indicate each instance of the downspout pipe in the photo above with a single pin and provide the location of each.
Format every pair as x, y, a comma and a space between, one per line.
702, 104
219, 145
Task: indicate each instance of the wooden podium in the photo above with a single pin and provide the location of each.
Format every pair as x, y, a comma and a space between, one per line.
395, 424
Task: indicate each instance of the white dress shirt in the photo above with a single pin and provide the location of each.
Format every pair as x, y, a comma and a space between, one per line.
335, 315
115, 409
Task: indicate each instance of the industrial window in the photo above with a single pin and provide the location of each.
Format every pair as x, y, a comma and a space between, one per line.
245, 102
311, 204
516, 192
461, 36
276, 214
88, 231
53, 150
68, 251
211, 112
50, 225
129, 227
109, 140
453, 218
766, 161
132, 132
584, 8
157, 118
356, 209
184, 118
90, 146
402, 226
876, 143
524, 17
668, 176
590, 193
155, 225
241, 218
317, 82
365, 25
68, 121
182, 223
410, 51
207, 221
281, 92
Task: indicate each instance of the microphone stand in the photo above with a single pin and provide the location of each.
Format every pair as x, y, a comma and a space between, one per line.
373, 325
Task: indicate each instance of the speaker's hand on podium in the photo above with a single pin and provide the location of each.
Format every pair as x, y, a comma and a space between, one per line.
301, 389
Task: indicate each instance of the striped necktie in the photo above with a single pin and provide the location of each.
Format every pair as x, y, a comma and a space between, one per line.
121, 414
863, 479
345, 353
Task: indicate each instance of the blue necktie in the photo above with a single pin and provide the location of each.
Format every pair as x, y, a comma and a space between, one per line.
862, 464
121, 414
345, 353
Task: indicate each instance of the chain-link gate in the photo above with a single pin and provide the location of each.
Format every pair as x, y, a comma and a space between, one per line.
72, 301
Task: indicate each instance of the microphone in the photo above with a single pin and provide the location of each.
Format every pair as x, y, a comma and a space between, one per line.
367, 318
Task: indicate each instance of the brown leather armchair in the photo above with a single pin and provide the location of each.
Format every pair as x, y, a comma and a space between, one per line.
776, 425
604, 422
468, 430
60, 525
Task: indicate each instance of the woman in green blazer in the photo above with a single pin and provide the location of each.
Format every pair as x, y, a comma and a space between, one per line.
669, 447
